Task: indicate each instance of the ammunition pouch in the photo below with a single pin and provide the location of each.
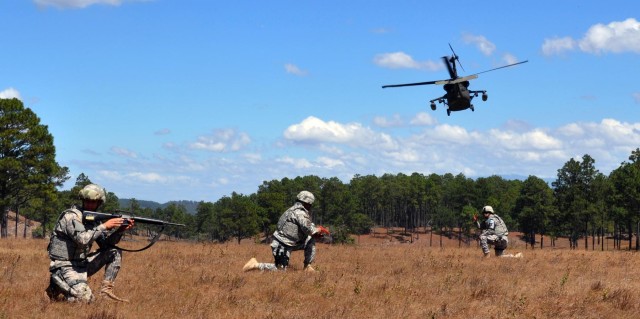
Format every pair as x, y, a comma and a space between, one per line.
67, 250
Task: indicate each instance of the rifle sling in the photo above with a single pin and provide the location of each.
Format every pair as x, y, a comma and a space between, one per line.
153, 241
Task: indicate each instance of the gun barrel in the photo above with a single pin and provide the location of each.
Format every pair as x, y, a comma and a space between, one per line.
152, 221
96, 216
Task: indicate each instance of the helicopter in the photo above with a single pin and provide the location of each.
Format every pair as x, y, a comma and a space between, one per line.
458, 96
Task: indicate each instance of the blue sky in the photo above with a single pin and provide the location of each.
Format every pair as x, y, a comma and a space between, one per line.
192, 100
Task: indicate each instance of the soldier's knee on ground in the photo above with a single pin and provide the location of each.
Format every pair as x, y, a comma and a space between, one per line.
81, 292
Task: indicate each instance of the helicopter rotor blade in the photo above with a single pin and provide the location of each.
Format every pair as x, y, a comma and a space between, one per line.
458, 80
410, 84
452, 72
455, 57
502, 67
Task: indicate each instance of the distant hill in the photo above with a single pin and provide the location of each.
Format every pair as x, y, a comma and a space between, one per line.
189, 205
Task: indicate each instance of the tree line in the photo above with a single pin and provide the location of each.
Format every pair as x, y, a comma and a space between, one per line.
580, 203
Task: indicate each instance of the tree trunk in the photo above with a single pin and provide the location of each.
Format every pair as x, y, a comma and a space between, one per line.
3, 224
17, 219
431, 236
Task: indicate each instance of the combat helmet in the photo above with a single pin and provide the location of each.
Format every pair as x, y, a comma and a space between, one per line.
92, 192
487, 209
306, 197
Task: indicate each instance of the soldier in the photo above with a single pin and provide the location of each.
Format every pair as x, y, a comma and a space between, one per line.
70, 246
295, 231
494, 232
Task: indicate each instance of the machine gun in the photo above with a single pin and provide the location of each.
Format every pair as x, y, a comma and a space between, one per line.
90, 216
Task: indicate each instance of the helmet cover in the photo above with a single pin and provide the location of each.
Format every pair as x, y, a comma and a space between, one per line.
306, 197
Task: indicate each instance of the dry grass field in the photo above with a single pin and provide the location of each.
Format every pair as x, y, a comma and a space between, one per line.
376, 278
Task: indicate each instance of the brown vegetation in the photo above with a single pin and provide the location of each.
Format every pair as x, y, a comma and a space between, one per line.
377, 278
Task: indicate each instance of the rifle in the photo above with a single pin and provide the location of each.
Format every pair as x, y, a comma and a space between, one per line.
89, 216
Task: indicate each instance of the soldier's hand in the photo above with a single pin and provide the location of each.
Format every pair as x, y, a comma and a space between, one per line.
128, 226
113, 223
323, 231
475, 217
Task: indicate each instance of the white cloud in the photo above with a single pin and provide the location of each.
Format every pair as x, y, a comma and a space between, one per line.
123, 152
485, 46
558, 45
222, 140
147, 177
615, 37
535, 139
383, 121
509, 58
329, 162
253, 158
315, 130
10, 93
77, 3
297, 163
401, 60
294, 69
423, 119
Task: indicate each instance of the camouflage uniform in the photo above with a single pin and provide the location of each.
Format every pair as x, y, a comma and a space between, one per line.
494, 232
293, 232
71, 262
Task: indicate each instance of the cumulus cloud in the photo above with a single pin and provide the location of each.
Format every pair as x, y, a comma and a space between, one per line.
329, 162
485, 46
423, 119
315, 130
222, 140
294, 69
333, 149
401, 60
383, 121
615, 37
556, 45
10, 93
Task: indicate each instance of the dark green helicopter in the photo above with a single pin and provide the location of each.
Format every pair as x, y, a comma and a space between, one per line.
458, 96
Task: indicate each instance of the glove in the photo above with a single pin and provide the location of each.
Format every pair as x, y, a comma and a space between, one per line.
321, 231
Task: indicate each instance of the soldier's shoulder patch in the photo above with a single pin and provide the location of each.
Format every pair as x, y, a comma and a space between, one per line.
73, 213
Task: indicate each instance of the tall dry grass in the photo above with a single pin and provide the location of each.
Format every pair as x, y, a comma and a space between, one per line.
189, 280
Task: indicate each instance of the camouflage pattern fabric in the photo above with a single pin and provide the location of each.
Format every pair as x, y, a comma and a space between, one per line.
71, 264
499, 243
294, 226
293, 232
494, 232
282, 253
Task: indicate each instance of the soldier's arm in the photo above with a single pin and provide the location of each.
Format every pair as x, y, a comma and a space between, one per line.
305, 223
77, 231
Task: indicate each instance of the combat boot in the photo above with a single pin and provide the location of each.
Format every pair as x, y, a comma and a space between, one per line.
251, 265
107, 291
54, 293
